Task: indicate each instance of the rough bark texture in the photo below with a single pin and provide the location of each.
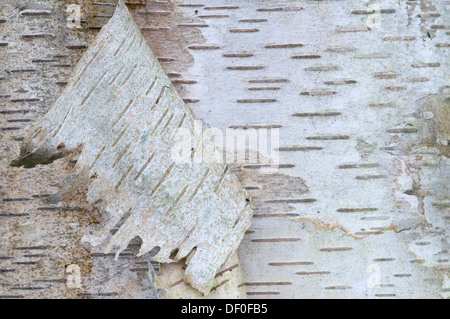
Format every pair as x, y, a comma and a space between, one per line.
228, 283
126, 115
363, 118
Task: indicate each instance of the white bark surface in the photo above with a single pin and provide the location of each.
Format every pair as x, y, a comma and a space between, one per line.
360, 205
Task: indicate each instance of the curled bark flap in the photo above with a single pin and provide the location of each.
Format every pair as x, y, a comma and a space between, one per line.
123, 109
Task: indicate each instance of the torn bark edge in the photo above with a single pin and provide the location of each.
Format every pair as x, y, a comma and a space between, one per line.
35, 151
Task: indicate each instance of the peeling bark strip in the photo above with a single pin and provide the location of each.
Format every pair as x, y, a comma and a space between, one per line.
126, 130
